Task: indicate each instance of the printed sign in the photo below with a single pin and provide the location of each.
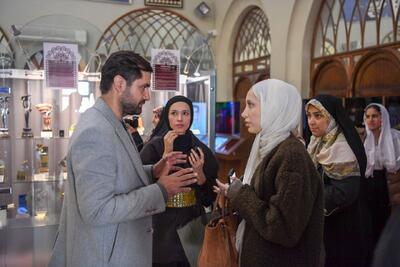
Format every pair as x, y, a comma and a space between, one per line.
61, 65
166, 67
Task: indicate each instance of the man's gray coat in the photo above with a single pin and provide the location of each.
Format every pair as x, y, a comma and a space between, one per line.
388, 248
109, 199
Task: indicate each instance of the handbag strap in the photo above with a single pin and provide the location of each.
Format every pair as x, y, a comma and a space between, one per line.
230, 247
225, 205
204, 220
221, 204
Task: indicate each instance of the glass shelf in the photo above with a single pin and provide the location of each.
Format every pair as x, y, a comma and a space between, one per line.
40, 138
35, 221
51, 179
35, 167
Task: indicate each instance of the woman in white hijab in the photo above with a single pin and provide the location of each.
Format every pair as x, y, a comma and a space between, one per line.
382, 146
281, 198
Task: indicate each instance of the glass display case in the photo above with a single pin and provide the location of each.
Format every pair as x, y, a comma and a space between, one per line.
32, 161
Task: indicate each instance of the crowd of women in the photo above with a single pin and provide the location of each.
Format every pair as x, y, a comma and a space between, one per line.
323, 204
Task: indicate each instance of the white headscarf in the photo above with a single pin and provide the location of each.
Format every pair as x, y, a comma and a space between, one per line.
388, 145
280, 108
280, 114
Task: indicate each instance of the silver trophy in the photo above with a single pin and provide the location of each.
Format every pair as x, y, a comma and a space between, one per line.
4, 111
27, 105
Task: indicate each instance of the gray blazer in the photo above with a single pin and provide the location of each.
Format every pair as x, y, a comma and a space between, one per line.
109, 198
387, 251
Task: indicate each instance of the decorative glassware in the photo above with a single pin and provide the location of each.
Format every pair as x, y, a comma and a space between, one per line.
63, 168
23, 171
41, 202
43, 157
45, 109
2, 171
22, 211
4, 111
27, 105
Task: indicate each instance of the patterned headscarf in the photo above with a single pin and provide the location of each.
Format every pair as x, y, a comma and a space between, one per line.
332, 150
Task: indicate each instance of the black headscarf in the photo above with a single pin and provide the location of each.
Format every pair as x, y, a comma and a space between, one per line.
334, 106
161, 128
182, 142
154, 149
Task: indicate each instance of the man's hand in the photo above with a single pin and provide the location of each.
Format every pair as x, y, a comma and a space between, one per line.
178, 181
167, 162
393, 180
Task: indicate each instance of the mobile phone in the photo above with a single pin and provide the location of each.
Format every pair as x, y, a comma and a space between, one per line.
230, 173
132, 122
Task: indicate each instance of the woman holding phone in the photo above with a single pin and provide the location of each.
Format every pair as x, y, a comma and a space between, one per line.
183, 207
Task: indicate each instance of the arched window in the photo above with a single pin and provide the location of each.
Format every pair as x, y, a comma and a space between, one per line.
349, 25
144, 29
345, 32
252, 52
6, 52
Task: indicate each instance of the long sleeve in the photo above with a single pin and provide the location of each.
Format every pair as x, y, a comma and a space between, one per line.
152, 152
387, 250
283, 217
205, 192
97, 200
340, 194
396, 144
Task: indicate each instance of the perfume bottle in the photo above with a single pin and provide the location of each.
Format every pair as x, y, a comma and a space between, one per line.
23, 171
43, 157
62, 165
2, 171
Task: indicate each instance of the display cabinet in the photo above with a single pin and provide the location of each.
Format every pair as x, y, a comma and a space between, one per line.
40, 122
34, 135
39, 174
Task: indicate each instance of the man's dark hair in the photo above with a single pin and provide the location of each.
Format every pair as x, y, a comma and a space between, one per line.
125, 63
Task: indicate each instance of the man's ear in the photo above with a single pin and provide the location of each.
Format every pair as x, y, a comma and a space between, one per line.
119, 83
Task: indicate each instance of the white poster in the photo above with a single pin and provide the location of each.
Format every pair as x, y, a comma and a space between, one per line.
166, 69
61, 65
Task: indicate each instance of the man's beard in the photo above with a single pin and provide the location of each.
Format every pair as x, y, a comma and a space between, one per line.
128, 107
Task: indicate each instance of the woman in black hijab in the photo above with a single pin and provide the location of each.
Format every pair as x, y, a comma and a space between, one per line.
177, 117
339, 155
161, 127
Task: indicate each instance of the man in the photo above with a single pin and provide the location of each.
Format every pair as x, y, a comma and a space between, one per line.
110, 197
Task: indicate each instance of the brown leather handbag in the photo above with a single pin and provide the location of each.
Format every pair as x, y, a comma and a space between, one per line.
218, 248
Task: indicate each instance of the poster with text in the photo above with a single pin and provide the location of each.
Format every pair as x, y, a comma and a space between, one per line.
61, 65
166, 69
